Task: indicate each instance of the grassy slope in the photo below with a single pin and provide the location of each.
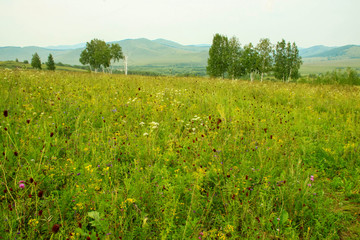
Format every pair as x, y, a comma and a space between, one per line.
322, 65
182, 158
21, 65
165, 56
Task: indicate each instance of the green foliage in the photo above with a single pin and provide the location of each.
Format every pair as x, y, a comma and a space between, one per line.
99, 54
50, 63
251, 60
236, 67
227, 58
287, 61
132, 157
116, 52
343, 77
218, 61
35, 61
265, 49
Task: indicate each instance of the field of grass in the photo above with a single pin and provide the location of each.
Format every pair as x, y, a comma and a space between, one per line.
21, 65
323, 65
99, 156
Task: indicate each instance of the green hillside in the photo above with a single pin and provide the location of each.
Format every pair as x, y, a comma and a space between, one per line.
349, 51
168, 57
146, 52
21, 65
25, 53
315, 50
322, 65
140, 52
344, 52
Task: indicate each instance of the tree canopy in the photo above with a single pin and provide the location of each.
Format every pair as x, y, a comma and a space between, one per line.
99, 54
35, 61
50, 63
218, 56
227, 58
287, 61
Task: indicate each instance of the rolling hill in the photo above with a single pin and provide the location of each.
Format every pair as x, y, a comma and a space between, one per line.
348, 51
165, 55
140, 52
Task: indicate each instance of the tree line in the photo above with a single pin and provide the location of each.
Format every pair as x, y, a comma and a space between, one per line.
228, 59
36, 62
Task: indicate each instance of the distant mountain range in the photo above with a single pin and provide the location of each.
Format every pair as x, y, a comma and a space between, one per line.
140, 52
348, 51
160, 52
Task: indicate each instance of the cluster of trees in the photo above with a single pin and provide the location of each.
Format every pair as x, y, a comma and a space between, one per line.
228, 58
346, 76
36, 62
98, 54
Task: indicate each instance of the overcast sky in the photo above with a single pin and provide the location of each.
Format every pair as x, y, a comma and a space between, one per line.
62, 22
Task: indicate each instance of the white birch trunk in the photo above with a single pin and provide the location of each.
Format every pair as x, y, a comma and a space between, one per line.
289, 76
252, 76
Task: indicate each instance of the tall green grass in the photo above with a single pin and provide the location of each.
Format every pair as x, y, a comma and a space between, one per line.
130, 157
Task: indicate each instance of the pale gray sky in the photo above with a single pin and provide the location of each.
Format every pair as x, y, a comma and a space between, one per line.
61, 22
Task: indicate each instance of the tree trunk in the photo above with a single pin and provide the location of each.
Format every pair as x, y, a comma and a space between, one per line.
125, 64
252, 76
289, 76
262, 76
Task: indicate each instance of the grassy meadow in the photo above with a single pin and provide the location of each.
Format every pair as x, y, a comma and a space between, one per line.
100, 156
323, 65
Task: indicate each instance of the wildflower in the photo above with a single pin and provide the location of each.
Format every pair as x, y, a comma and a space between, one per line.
55, 228
6, 113
312, 178
309, 184
40, 194
130, 200
33, 222
21, 184
145, 134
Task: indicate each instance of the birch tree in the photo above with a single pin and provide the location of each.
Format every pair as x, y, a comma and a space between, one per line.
250, 59
264, 49
218, 56
235, 66
287, 61
280, 57
116, 53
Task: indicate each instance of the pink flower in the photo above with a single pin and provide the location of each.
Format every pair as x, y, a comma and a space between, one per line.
21, 185
309, 184
312, 178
